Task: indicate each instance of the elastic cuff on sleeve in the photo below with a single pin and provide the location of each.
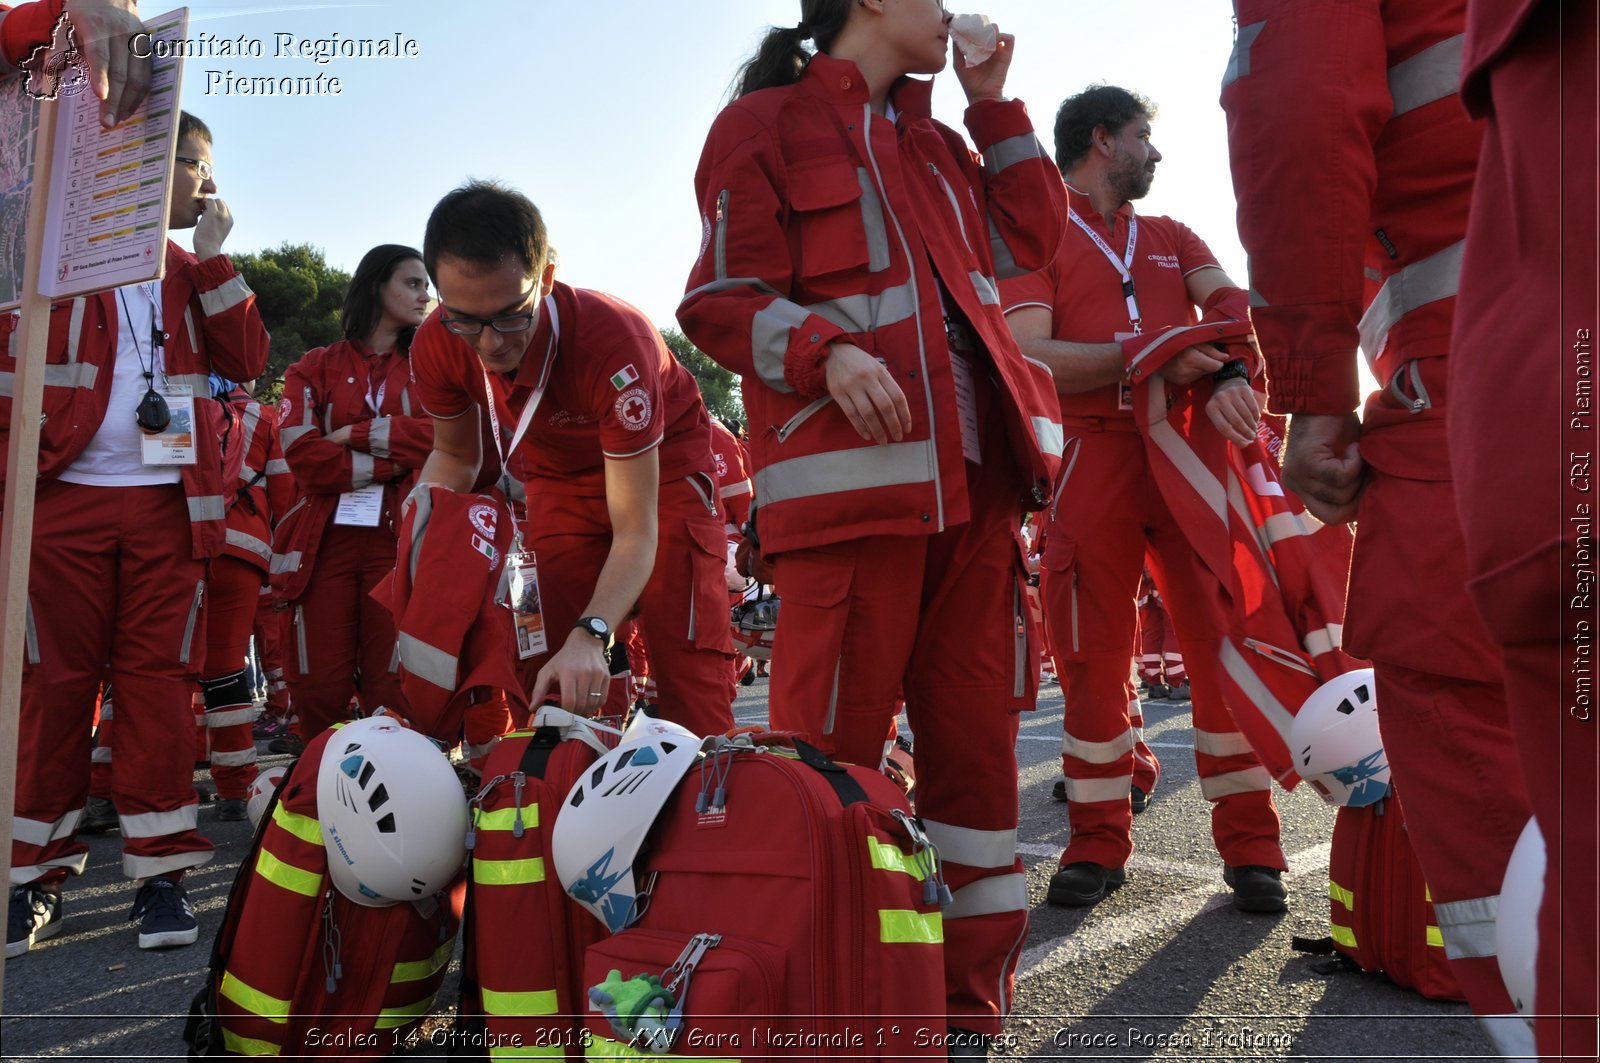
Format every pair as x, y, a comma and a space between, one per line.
991, 121
804, 364
360, 435
213, 273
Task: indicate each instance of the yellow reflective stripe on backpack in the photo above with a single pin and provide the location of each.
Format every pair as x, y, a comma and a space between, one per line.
248, 1046
291, 878
508, 872
1435, 937
527, 1052
535, 1002
303, 827
898, 926
253, 1000
600, 1048
506, 819
417, 970
886, 857
389, 1018
1342, 895
1343, 935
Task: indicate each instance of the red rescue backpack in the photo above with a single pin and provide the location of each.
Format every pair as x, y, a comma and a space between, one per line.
1381, 912
297, 969
794, 905
522, 972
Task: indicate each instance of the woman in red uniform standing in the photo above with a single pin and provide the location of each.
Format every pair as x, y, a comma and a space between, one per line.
353, 438
849, 251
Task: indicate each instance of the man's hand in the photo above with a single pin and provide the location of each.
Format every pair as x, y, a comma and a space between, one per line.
215, 225
1192, 363
1235, 410
987, 80
582, 672
867, 393
119, 78
1322, 464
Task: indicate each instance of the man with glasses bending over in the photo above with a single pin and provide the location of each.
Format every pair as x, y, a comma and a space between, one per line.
129, 513
611, 439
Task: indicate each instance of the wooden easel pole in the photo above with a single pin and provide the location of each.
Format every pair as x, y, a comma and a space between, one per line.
22, 474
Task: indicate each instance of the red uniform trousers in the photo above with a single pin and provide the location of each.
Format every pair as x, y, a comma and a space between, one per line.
232, 591
1440, 700
1107, 509
942, 617
683, 613
111, 580
340, 631
1525, 327
1160, 659
268, 633
1146, 766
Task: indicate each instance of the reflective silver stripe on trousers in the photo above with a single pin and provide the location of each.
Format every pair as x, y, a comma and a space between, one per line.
151, 866
1239, 60
1468, 926
1220, 743
1433, 278
427, 662
100, 754
872, 221
207, 507
1010, 151
1090, 791
361, 470
862, 468
993, 895
34, 872
1099, 752
970, 847
246, 541
227, 295
378, 438
1052, 439
38, 832
302, 649
160, 824
31, 636
239, 758
230, 716
192, 622
1249, 781
1431, 74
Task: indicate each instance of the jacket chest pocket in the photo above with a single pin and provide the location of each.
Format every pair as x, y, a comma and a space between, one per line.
838, 216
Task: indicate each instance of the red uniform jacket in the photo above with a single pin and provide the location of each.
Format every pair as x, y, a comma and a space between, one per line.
816, 230
733, 476
211, 325
327, 389
263, 489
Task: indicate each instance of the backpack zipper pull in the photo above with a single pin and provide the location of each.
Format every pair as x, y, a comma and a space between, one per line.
517, 780
330, 946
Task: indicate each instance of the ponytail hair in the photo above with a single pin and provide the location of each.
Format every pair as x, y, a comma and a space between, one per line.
782, 56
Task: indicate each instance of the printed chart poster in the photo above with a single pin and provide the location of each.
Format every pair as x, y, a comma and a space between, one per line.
106, 223
19, 123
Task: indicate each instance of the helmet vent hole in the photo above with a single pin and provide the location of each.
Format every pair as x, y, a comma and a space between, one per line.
577, 798
1363, 693
624, 758
1346, 708
598, 774
386, 824
366, 775
378, 798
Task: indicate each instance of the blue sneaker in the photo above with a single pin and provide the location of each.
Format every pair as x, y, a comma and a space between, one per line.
34, 915
167, 919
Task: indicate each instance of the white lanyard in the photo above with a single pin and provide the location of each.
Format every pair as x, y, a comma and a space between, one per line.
376, 404
1123, 266
526, 420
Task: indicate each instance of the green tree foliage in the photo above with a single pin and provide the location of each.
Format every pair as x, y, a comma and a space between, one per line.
718, 387
299, 296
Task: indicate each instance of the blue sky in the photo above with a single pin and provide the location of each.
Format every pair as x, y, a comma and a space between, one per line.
598, 109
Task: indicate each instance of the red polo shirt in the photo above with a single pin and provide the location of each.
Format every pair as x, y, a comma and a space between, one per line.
1083, 290
614, 391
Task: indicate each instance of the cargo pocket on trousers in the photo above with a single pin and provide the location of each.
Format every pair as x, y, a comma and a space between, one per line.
1058, 592
709, 625
815, 589
1024, 639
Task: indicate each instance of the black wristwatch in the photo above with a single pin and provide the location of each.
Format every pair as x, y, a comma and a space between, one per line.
597, 627
1235, 369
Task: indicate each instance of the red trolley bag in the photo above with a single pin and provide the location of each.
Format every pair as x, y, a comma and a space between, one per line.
1381, 912
298, 969
522, 988
793, 906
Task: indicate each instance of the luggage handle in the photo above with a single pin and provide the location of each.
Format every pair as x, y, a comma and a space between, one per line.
836, 775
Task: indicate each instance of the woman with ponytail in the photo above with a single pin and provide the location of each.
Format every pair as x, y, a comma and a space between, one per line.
847, 271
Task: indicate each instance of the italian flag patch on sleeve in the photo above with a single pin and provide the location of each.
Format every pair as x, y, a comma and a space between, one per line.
626, 376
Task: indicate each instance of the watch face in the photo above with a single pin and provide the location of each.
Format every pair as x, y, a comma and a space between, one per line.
595, 626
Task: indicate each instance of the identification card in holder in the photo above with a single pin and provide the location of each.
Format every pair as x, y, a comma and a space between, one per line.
526, 610
967, 408
176, 444
360, 509
1124, 390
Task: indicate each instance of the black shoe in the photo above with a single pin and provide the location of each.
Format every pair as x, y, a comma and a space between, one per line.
967, 1044
1084, 884
34, 915
99, 816
749, 677
1059, 791
1157, 692
166, 920
232, 810
1179, 692
289, 743
1139, 799
1256, 888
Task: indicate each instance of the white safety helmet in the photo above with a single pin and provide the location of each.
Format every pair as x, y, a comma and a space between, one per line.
393, 814
755, 623
261, 792
1335, 742
1516, 928
610, 809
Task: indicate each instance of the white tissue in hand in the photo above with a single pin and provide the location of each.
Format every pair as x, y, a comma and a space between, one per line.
975, 37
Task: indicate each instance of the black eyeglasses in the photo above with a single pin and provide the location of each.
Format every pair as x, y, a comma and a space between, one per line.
473, 326
202, 168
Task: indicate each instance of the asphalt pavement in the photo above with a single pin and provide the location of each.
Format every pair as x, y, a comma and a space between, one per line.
1164, 968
